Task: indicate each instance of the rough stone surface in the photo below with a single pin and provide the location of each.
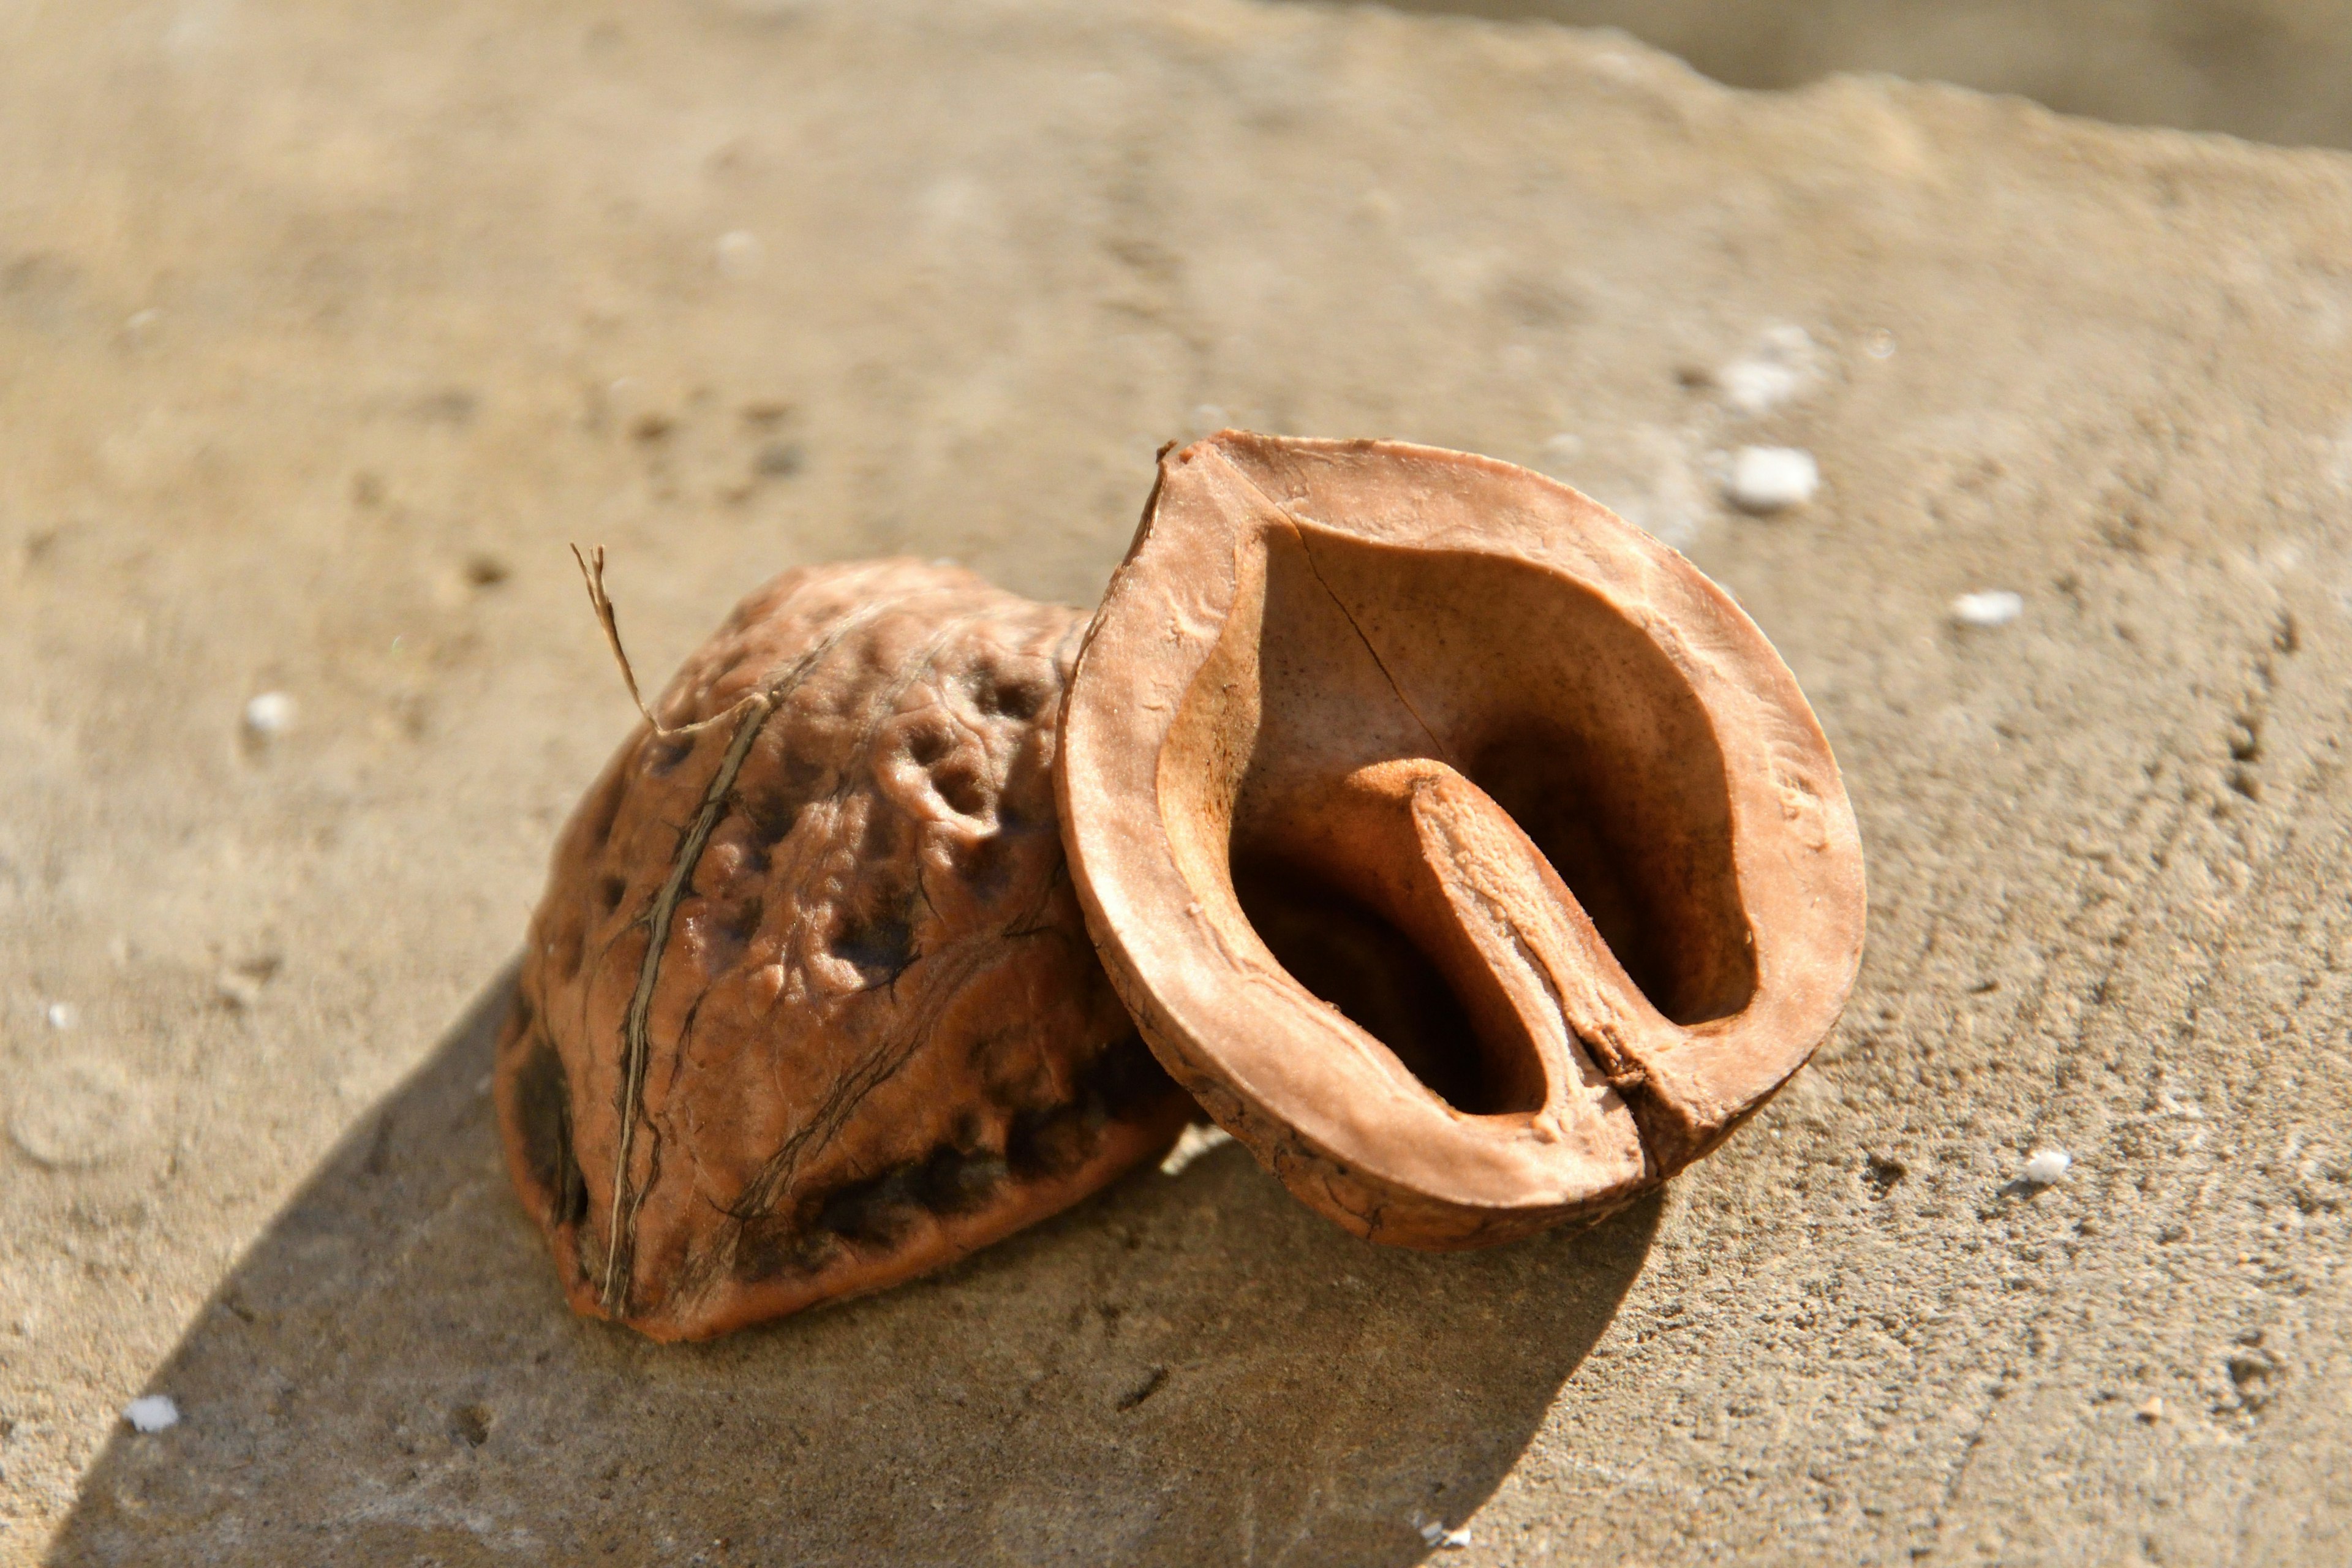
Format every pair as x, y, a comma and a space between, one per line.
2276, 71
324, 327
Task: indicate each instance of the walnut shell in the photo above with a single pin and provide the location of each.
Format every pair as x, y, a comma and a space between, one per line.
809, 1006
1467, 853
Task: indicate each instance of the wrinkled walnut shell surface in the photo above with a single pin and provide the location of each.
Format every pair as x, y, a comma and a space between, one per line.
808, 1007
1464, 850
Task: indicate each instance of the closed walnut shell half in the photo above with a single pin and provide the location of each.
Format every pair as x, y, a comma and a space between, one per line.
808, 1006
1464, 850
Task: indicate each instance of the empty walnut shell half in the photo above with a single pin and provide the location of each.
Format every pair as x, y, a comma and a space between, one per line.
809, 1006
1467, 853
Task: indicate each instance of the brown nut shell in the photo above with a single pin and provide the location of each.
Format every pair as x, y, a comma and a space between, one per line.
1464, 851
808, 1006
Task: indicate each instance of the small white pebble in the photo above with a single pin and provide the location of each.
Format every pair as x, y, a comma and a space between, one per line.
1196, 1141
2047, 1167
1782, 364
61, 1015
739, 253
1881, 344
1772, 479
152, 1412
271, 713
1434, 1533
1992, 608
1757, 385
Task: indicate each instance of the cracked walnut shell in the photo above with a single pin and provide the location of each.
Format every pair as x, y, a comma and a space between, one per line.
1467, 853
808, 1006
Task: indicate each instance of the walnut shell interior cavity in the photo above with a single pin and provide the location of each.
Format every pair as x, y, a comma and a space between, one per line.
808, 1006
1464, 851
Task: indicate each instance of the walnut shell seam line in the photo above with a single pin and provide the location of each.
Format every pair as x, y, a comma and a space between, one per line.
637, 1044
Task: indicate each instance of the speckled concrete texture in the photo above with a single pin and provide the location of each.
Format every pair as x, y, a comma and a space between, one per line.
322, 327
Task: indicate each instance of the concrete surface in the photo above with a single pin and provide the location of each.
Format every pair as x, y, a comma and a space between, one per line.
2276, 71
322, 327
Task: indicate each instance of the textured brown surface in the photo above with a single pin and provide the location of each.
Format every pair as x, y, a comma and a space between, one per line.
1464, 851
807, 1008
401, 255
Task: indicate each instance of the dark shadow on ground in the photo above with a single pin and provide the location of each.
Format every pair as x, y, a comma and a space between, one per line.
2271, 70
1194, 1370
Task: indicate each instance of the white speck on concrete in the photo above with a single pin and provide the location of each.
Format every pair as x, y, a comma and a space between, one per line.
1880, 344
739, 253
269, 714
152, 1412
61, 1015
1782, 366
1196, 1141
1563, 447
1772, 478
1757, 386
2047, 1167
1434, 1533
1992, 607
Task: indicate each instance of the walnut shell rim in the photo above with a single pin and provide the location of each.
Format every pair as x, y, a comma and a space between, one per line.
1395, 692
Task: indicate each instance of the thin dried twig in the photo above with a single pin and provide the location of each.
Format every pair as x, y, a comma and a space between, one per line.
592, 572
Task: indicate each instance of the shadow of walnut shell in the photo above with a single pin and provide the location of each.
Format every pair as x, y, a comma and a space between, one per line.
1467, 853
809, 1008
